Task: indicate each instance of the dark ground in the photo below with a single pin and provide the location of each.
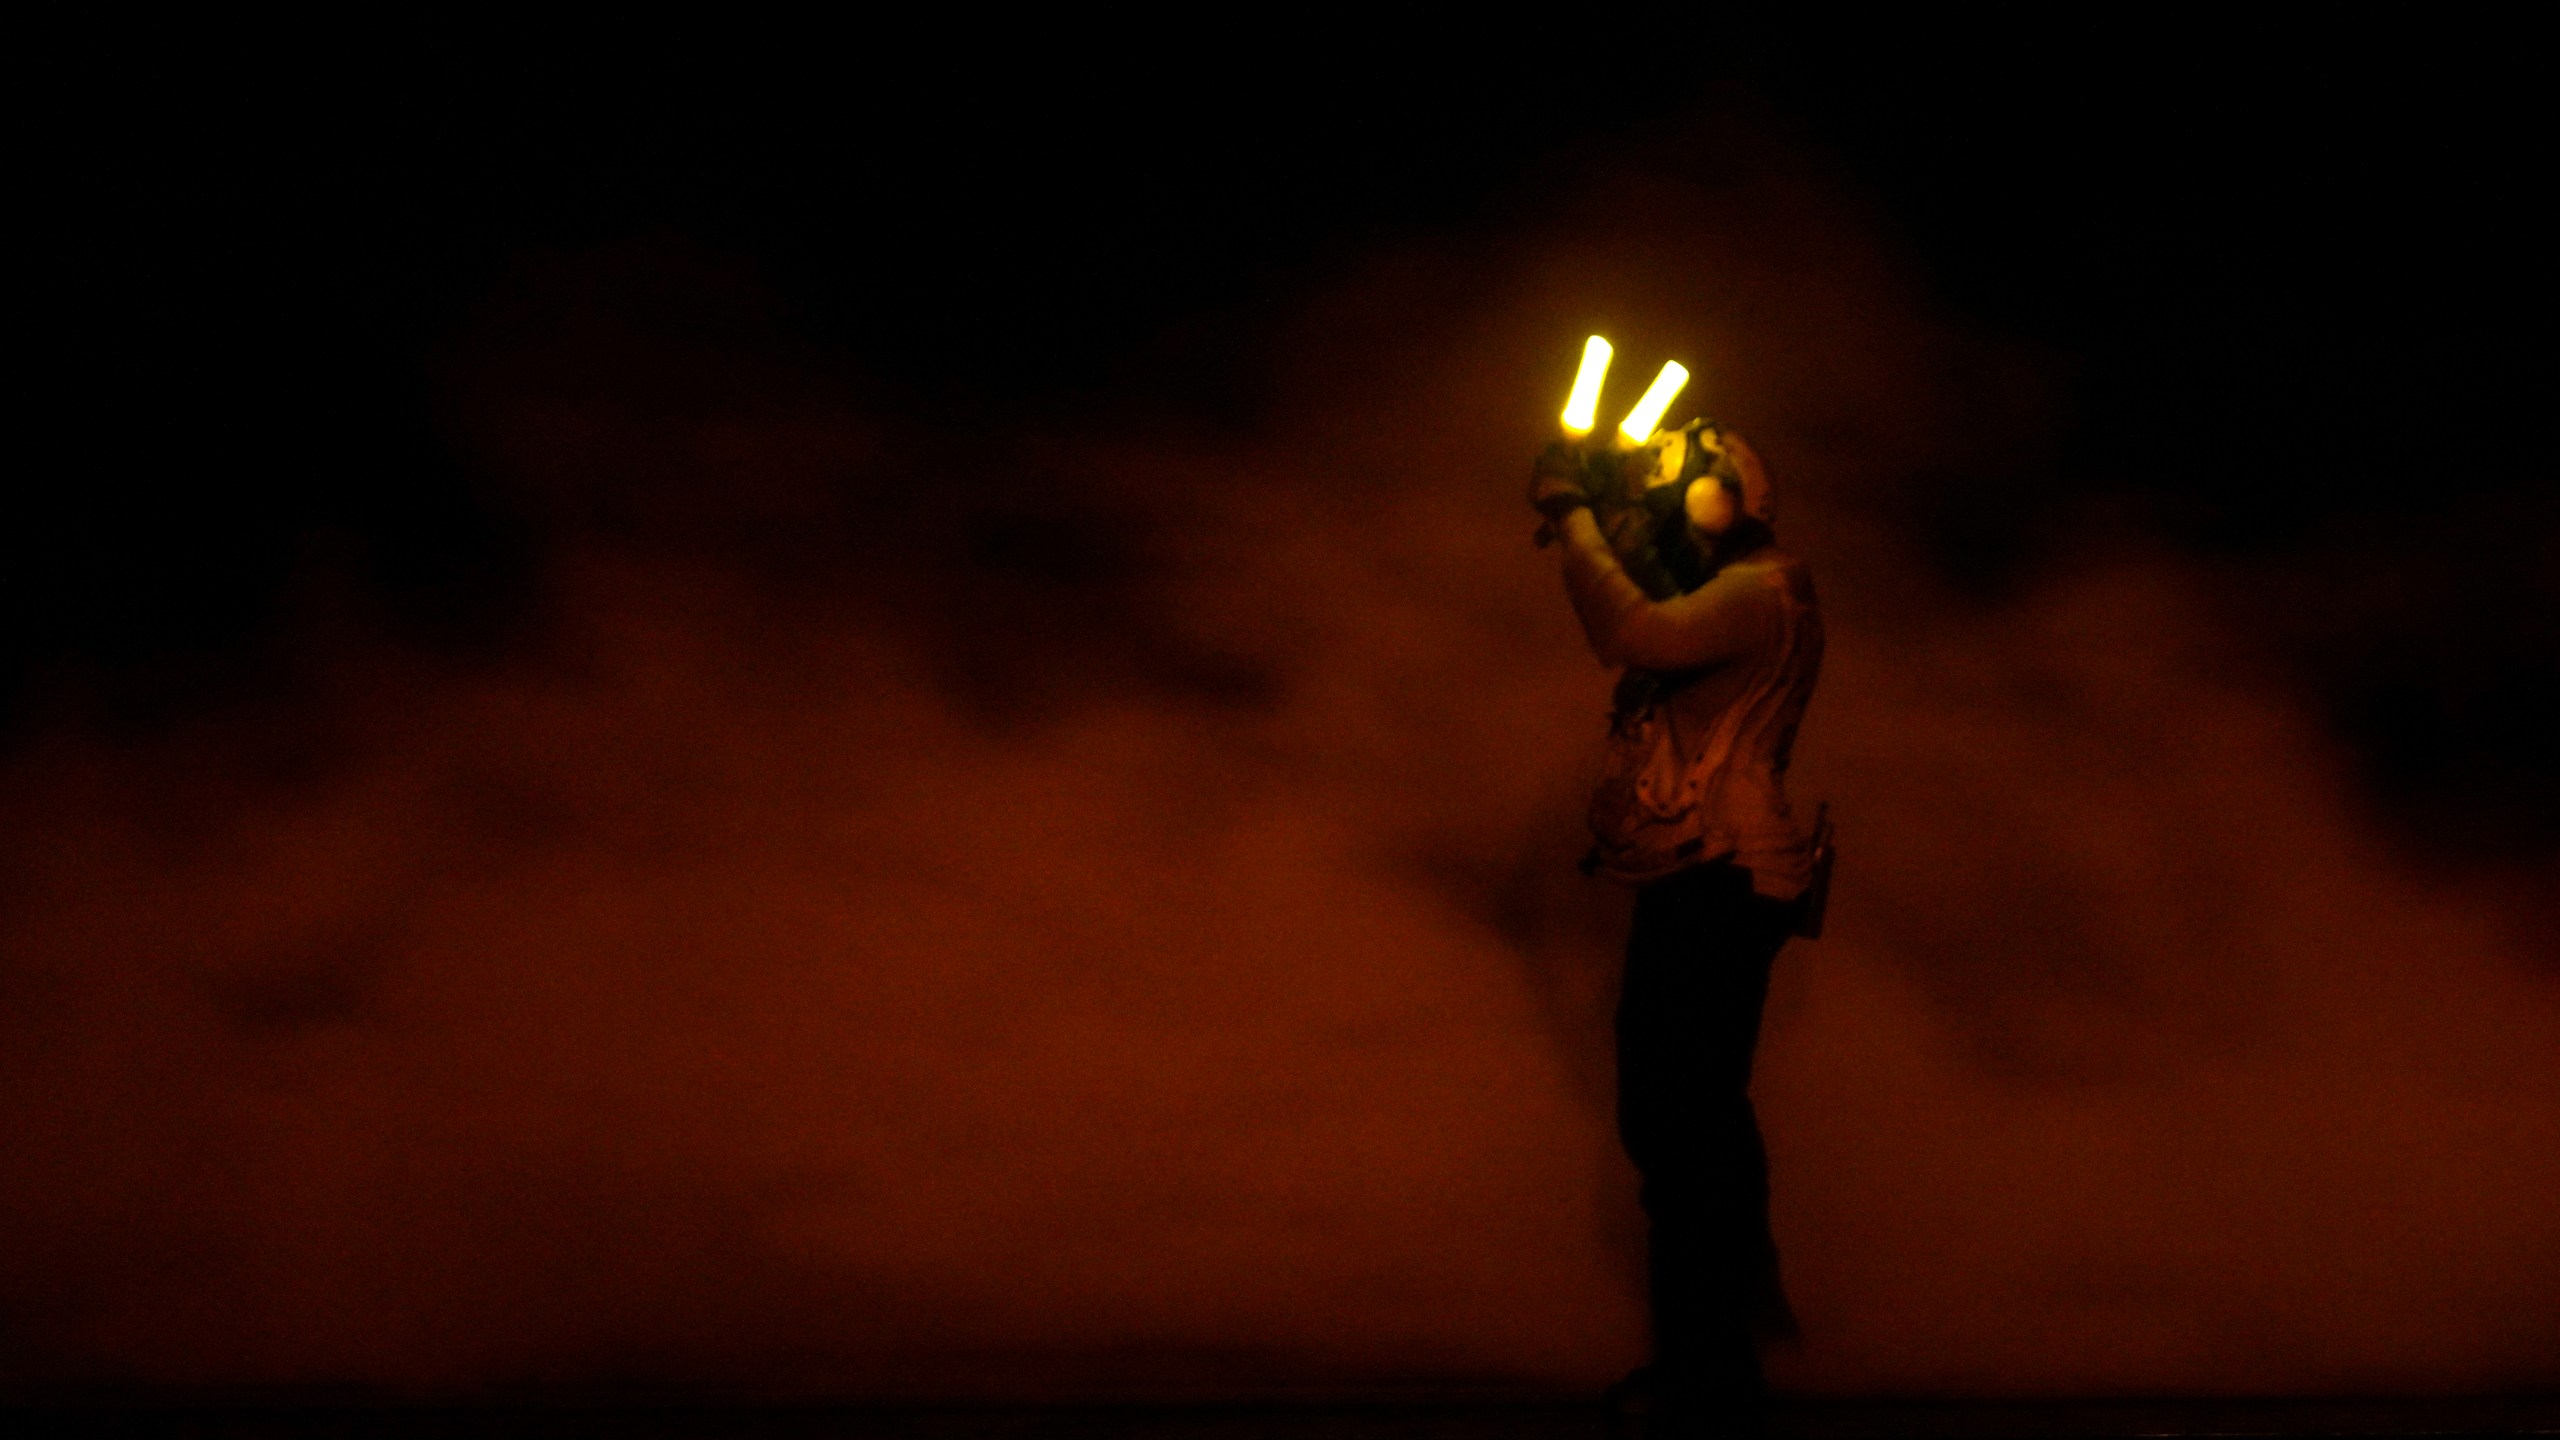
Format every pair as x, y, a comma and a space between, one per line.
1464, 1420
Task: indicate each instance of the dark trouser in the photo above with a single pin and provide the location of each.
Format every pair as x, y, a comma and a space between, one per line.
1698, 963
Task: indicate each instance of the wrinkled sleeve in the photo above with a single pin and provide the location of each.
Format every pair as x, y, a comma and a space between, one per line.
1732, 615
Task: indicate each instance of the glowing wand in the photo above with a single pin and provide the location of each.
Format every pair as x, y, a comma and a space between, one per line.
1638, 426
1583, 409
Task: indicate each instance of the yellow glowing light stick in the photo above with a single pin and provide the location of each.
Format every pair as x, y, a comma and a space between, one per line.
1638, 426
1582, 411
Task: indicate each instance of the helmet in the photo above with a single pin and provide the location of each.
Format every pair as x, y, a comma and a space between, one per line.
1722, 456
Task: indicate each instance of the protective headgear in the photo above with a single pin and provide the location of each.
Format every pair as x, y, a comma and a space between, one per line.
1722, 456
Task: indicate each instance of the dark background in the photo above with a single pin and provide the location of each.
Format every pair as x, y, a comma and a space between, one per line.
2287, 273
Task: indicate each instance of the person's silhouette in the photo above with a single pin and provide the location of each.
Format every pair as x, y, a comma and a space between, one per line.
1720, 639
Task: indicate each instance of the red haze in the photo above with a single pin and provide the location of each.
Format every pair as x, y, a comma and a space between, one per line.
1116, 932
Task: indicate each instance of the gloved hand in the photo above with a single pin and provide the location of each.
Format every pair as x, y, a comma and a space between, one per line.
1627, 528
1556, 482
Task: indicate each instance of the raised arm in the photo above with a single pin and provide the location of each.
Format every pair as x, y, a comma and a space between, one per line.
1732, 615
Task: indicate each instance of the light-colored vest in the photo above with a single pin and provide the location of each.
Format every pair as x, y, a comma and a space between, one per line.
1698, 772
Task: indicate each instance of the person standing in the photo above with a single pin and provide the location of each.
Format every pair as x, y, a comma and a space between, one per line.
1719, 638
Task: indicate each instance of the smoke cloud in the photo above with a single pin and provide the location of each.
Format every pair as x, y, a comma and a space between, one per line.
1074, 911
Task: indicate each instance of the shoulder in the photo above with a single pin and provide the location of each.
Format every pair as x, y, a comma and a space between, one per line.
1773, 573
